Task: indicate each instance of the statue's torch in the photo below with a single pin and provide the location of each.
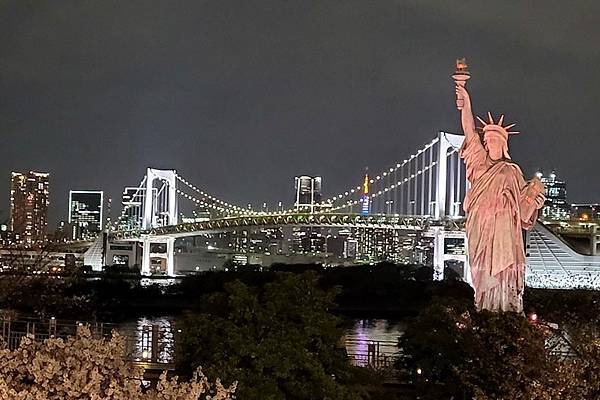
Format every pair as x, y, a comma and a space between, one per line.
461, 76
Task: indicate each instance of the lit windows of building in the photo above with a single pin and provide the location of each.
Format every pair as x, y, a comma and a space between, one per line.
555, 207
85, 213
307, 192
29, 201
133, 207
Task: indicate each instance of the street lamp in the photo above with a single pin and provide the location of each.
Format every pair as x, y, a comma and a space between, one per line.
388, 204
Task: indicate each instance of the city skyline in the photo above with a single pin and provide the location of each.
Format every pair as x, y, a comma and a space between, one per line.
299, 199
126, 192
223, 96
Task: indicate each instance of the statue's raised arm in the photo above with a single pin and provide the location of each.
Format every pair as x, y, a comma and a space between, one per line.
463, 99
472, 150
466, 112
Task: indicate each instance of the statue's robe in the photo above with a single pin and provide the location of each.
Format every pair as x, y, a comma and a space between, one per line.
497, 211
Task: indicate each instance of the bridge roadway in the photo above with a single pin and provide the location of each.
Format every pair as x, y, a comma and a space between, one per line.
326, 220
551, 263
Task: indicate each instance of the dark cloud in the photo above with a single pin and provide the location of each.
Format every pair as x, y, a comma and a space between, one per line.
240, 96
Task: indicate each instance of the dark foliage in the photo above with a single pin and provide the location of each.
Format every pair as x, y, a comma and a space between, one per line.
570, 308
278, 341
454, 352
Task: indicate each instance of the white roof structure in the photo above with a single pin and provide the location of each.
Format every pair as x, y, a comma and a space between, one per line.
553, 264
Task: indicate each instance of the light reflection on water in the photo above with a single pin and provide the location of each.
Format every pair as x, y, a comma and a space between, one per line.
365, 331
357, 337
139, 339
162, 282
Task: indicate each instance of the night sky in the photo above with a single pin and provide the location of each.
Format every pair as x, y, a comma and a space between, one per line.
240, 96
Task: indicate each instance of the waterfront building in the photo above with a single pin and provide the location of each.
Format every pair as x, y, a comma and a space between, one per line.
35, 261
307, 240
85, 213
62, 233
585, 211
29, 201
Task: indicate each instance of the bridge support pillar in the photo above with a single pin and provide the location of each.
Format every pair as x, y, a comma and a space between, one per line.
594, 241
447, 141
467, 267
449, 246
438, 253
442, 169
145, 257
170, 256
151, 204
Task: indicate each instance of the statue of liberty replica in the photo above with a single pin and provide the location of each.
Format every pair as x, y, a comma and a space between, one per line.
498, 205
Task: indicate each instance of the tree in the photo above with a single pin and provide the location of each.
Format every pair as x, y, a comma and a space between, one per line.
576, 377
455, 352
277, 341
83, 367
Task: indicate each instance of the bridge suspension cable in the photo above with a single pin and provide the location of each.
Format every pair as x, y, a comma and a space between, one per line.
380, 176
387, 189
214, 202
429, 182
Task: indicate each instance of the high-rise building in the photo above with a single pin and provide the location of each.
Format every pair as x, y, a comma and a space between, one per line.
555, 207
85, 213
132, 201
308, 192
133, 207
29, 206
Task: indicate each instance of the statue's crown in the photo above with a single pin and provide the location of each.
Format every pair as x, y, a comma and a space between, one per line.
496, 127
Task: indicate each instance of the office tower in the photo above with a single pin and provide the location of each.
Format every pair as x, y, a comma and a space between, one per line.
29, 207
307, 193
85, 213
555, 207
